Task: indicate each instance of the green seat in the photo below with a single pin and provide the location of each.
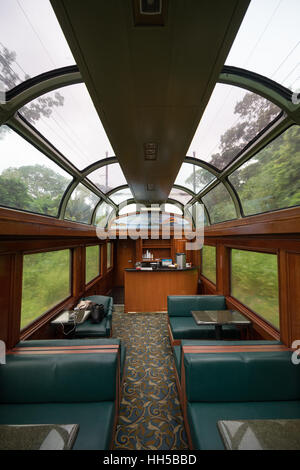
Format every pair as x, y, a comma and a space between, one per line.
97, 330
186, 328
182, 323
238, 385
177, 349
95, 419
78, 342
62, 389
203, 418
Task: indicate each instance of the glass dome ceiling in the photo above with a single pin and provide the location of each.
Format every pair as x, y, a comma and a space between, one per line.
30, 30
270, 29
82, 141
232, 119
244, 158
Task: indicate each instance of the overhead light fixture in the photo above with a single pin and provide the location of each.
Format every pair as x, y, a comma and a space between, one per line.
149, 12
150, 151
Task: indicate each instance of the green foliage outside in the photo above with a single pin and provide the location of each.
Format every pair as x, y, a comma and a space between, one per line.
35, 188
254, 282
268, 181
92, 262
46, 282
209, 262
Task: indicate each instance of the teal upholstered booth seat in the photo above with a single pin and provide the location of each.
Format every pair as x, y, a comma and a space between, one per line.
183, 325
78, 342
102, 329
238, 385
62, 389
177, 349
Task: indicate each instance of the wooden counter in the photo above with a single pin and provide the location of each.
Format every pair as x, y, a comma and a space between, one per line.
147, 291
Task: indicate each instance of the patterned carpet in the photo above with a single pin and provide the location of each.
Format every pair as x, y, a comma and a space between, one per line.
150, 415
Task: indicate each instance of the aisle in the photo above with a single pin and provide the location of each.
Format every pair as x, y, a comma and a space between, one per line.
150, 414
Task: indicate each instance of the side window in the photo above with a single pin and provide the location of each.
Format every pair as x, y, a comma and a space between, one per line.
46, 282
92, 263
254, 282
209, 262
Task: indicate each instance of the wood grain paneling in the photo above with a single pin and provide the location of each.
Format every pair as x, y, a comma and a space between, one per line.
293, 294
147, 291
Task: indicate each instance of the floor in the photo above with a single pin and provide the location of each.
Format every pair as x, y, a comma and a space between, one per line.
150, 415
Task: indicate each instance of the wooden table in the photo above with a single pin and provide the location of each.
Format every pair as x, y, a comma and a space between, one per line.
218, 318
260, 434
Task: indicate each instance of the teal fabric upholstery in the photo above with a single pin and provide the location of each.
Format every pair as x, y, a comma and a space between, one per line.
203, 418
58, 378
238, 385
186, 328
181, 305
78, 342
95, 419
184, 342
62, 389
245, 376
96, 330
182, 323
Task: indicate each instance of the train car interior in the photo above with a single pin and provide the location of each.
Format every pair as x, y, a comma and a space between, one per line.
149, 225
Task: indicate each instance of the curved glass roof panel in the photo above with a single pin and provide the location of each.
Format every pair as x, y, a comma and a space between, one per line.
108, 177
219, 204
31, 41
81, 205
198, 214
28, 179
102, 214
270, 180
121, 196
232, 119
145, 221
270, 30
128, 209
193, 177
180, 195
68, 119
172, 208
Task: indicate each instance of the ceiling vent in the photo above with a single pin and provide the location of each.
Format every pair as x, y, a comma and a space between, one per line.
149, 12
150, 151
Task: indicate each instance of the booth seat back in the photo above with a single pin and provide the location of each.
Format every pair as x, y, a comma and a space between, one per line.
181, 305
59, 378
241, 377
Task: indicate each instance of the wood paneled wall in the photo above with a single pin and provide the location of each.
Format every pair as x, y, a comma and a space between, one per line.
42, 234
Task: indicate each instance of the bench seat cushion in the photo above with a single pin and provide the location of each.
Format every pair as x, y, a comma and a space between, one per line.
95, 419
203, 418
186, 328
89, 329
